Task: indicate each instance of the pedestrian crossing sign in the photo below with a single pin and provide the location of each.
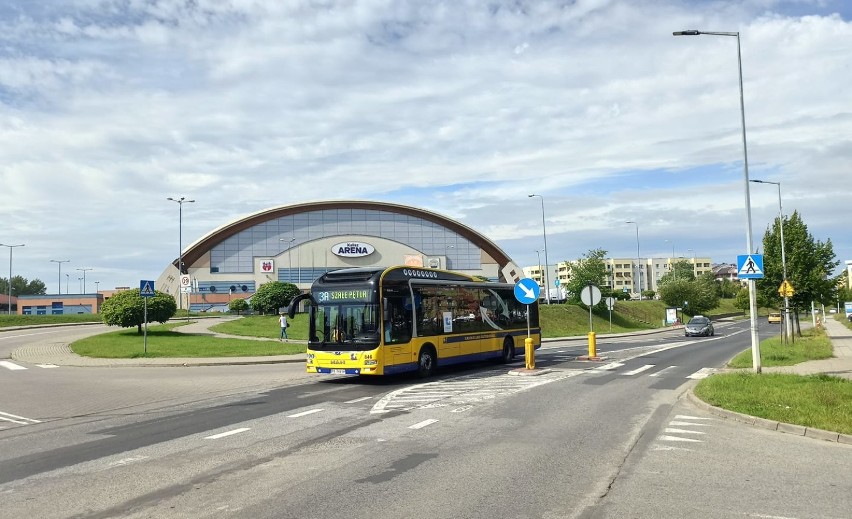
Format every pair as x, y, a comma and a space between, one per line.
750, 266
146, 288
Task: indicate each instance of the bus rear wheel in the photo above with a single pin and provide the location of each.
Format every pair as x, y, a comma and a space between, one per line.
427, 361
508, 351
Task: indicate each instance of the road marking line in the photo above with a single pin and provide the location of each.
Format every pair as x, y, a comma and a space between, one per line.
305, 413
636, 371
127, 461
690, 424
358, 400
657, 374
422, 424
27, 420
609, 367
682, 431
688, 417
678, 439
47, 365
228, 433
10, 365
702, 373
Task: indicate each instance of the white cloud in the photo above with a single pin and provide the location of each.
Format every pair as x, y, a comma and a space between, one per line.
106, 108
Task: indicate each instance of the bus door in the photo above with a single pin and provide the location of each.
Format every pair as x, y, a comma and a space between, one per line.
397, 327
467, 320
434, 319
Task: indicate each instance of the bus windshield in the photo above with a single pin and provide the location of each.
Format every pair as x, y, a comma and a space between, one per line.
355, 325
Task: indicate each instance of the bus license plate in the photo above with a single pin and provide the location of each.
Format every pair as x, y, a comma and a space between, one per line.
338, 372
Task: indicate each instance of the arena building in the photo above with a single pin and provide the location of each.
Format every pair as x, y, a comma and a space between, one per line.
298, 243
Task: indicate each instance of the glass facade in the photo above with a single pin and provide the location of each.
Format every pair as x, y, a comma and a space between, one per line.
236, 254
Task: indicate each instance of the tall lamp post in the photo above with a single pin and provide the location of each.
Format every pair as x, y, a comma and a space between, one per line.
84, 278
546, 268
67, 280
638, 259
59, 281
180, 201
289, 242
674, 271
694, 270
752, 292
9, 302
788, 325
538, 254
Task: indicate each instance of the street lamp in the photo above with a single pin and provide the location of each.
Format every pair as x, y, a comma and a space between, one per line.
9, 302
638, 259
67, 280
289, 242
537, 253
80, 285
180, 201
544, 232
59, 281
84, 278
97, 287
674, 271
752, 293
694, 270
787, 324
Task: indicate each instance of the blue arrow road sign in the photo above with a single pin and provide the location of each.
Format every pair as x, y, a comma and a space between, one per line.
146, 288
750, 266
526, 291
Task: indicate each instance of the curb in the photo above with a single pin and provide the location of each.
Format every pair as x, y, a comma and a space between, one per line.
772, 425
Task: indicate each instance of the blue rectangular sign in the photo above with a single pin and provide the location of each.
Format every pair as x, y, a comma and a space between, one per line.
750, 266
146, 288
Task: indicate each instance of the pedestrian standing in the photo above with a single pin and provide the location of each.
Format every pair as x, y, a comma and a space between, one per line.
282, 320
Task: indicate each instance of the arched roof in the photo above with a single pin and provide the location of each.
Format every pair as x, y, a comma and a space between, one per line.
195, 251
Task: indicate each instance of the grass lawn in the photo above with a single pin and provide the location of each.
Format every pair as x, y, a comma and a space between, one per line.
163, 341
818, 401
265, 326
813, 345
32, 320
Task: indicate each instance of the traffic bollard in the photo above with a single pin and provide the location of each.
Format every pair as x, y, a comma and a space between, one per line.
593, 349
529, 353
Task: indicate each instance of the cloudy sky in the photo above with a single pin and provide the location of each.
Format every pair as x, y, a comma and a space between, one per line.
462, 107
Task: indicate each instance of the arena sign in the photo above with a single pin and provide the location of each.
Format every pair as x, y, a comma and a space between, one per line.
352, 249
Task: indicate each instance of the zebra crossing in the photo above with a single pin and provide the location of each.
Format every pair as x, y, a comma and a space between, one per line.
464, 391
682, 432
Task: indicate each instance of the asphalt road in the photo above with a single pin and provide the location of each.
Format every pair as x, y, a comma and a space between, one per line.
579, 440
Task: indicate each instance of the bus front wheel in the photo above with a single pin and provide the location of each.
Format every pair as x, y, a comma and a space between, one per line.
427, 361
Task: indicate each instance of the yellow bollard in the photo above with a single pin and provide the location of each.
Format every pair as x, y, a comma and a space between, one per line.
593, 349
529, 353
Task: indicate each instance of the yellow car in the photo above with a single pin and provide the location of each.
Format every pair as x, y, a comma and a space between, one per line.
775, 317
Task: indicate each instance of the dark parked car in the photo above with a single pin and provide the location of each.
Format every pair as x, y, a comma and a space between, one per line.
699, 326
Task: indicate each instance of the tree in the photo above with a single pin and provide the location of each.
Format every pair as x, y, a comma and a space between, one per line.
590, 269
238, 305
728, 289
127, 308
272, 296
741, 301
695, 296
23, 287
810, 264
681, 269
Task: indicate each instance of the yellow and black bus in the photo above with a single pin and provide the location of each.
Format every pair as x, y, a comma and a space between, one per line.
381, 321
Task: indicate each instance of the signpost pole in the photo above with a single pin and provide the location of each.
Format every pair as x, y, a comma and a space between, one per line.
527, 292
146, 325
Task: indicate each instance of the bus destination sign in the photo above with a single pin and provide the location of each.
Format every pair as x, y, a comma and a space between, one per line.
333, 296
